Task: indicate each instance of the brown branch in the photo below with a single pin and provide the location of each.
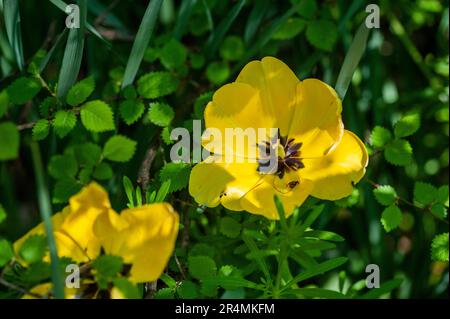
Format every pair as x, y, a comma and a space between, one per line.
144, 170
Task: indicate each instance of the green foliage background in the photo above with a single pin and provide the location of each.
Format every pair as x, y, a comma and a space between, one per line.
56, 136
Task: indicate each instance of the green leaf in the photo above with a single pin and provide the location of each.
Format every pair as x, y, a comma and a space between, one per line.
64, 189
424, 193
131, 110
64, 122
289, 29
2, 214
63, 166
183, 17
317, 270
73, 54
23, 90
322, 34
173, 54
351, 60
324, 235
385, 195
177, 173
107, 266
141, 41
255, 18
439, 211
103, 172
307, 8
164, 293
33, 249
201, 267
9, 141
129, 190
407, 125
156, 84
88, 154
380, 136
37, 272
119, 149
230, 227
6, 252
129, 92
217, 72
162, 192
4, 102
160, 114
385, 288
127, 288
391, 218
41, 129
350, 200
80, 91
443, 195
399, 152
47, 106
232, 48
187, 290
165, 136
439, 247
316, 293
97, 116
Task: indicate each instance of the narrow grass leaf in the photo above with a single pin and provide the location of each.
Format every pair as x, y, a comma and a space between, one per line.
12, 23
255, 19
183, 18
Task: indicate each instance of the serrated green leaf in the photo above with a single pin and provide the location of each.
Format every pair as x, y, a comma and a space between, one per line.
307, 8
165, 136
232, 48
64, 122
129, 92
64, 189
443, 195
97, 116
119, 149
187, 290
156, 84
80, 91
322, 34
9, 141
47, 106
160, 114
131, 110
391, 218
23, 90
177, 173
289, 29
107, 265
385, 195
201, 267
439, 247
103, 171
425, 193
173, 54
41, 129
230, 227
165, 293
439, 211
33, 248
6, 252
218, 72
88, 154
127, 288
380, 136
407, 125
399, 152
63, 166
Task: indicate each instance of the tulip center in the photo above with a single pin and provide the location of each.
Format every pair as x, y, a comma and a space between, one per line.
288, 156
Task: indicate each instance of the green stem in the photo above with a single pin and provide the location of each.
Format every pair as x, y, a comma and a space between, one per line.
45, 211
282, 258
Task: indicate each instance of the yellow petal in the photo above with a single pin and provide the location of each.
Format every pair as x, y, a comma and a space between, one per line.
260, 200
276, 84
213, 183
44, 290
317, 118
334, 175
144, 237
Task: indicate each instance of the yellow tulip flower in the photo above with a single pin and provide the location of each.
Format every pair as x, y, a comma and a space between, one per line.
316, 156
144, 236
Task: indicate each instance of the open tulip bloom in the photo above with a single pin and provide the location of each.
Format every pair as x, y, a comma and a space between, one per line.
314, 154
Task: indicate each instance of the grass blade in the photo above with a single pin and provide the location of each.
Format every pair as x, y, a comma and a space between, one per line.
257, 255
254, 20
45, 210
183, 17
50, 53
319, 269
13, 30
351, 60
216, 37
141, 42
73, 54
316, 293
388, 286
